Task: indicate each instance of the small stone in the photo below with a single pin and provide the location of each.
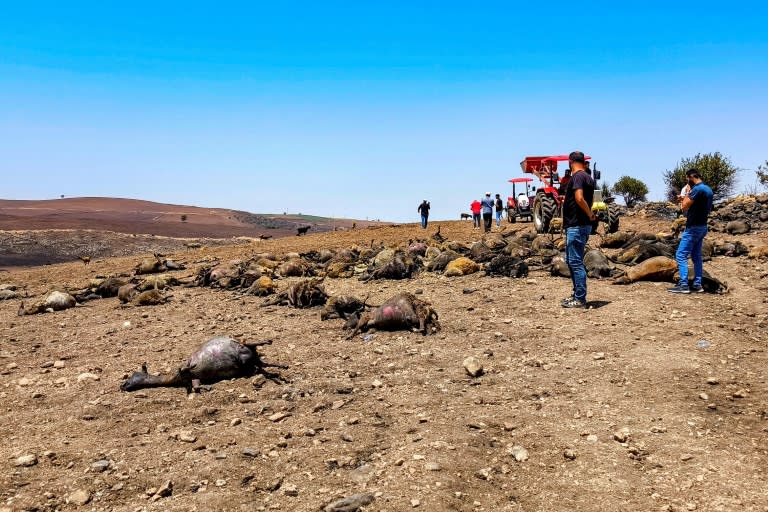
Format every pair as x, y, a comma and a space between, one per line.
26, 461
220, 482
519, 453
598, 356
87, 376
703, 396
187, 436
416, 456
338, 404
690, 506
59, 364
100, 466
350, 504
415, 503
569, 454
12, 366
278, 416
473, 366
377, 383
61, 381
621, 437
713, 381
686, 456
79, 498
235, 422
24, 382
290, 490
164, 491
740, 393
592, 438
37, 394
126, 324
250, 452
498, 334
432, 466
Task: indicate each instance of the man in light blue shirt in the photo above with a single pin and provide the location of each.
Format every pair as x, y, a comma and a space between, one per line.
487, 207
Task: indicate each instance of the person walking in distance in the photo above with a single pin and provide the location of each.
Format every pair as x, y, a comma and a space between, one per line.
696, 205
577, 221
499, 209
487, 206
424, 210
476, 208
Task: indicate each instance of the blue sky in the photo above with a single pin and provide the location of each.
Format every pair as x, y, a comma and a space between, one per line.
362, 109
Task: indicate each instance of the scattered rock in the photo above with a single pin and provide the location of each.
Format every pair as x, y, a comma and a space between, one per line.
569, 454
26, 461
278, 416
519, 453
432, 466
100, 466
87, 376
187, 436
250, 452
164, 491
79, 498
473, 366
351, 503
712, 381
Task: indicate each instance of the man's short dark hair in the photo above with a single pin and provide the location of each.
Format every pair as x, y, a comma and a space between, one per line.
576, 157
693, 173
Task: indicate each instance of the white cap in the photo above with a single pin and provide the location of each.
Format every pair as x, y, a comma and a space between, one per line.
487, 193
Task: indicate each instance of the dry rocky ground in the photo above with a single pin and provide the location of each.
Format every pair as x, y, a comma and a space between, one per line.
645, 401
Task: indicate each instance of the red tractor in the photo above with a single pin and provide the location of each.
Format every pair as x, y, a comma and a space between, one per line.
519, 205
548, 199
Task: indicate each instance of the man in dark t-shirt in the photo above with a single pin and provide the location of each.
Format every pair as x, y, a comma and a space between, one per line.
577, 221
423, 209
696, 205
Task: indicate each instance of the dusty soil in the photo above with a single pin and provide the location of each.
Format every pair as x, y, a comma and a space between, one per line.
618, 406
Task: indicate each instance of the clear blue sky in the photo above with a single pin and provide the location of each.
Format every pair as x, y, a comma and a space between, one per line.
362, 109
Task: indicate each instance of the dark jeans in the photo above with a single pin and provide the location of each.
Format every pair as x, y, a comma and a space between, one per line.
576, 240
476, 220
487, 218
690, 245
424, 219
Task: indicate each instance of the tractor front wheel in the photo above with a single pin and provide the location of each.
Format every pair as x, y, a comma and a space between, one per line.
543, 213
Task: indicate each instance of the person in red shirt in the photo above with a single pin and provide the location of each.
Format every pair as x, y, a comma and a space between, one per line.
475, 207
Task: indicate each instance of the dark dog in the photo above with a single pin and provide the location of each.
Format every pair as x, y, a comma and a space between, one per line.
302, 230
466, 216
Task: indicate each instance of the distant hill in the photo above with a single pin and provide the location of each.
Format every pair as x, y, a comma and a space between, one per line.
134, 216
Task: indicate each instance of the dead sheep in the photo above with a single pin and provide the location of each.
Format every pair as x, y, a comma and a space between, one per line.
759, 253
304, 294
218, 359
507, 266
54, 301
401, 312
152, 265
461, 266
263, 286
342, 306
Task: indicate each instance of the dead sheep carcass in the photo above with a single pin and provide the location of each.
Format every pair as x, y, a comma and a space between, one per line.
402, 312
219, 358
54, 301
304, 294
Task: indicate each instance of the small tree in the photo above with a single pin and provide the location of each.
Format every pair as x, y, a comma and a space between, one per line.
716, 170
605, 188
762, 174
631, 189
183, 217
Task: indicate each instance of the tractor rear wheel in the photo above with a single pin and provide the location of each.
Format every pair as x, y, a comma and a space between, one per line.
612, 218
543, 213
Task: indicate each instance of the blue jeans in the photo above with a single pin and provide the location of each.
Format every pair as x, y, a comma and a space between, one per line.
424, 221
498, 218
576, 240
690, 246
